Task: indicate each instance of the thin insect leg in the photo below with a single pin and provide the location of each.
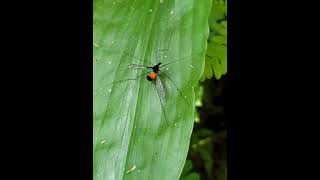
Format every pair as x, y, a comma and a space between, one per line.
140, 59
138, 66
165, 116
181, 59
131, 78
175, 86
167, 47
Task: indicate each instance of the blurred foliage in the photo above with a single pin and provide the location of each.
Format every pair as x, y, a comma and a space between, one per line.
188, 172
207, 157
207, 154
216, 58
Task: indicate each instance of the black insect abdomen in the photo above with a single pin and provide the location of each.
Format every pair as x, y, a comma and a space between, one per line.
149, 78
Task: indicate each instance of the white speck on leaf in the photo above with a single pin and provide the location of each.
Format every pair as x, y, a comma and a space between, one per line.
133, 168
96, 45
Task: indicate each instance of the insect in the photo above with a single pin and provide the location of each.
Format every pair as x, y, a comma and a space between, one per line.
155, 74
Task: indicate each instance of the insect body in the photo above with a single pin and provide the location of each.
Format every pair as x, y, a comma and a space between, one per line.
154, 74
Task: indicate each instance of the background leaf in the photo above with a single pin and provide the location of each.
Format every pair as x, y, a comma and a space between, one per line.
131, 137
191, 176
216, 59
187, 168
187, 173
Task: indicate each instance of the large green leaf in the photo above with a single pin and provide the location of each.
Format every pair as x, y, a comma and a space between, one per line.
132, 137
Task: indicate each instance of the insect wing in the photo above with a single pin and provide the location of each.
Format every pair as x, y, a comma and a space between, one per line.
160, 87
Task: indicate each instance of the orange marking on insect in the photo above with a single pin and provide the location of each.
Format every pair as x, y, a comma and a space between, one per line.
153, 75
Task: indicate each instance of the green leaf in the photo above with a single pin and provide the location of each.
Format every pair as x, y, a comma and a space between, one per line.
132, 137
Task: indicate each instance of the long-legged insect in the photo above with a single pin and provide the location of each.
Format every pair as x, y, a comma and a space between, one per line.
155, 73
